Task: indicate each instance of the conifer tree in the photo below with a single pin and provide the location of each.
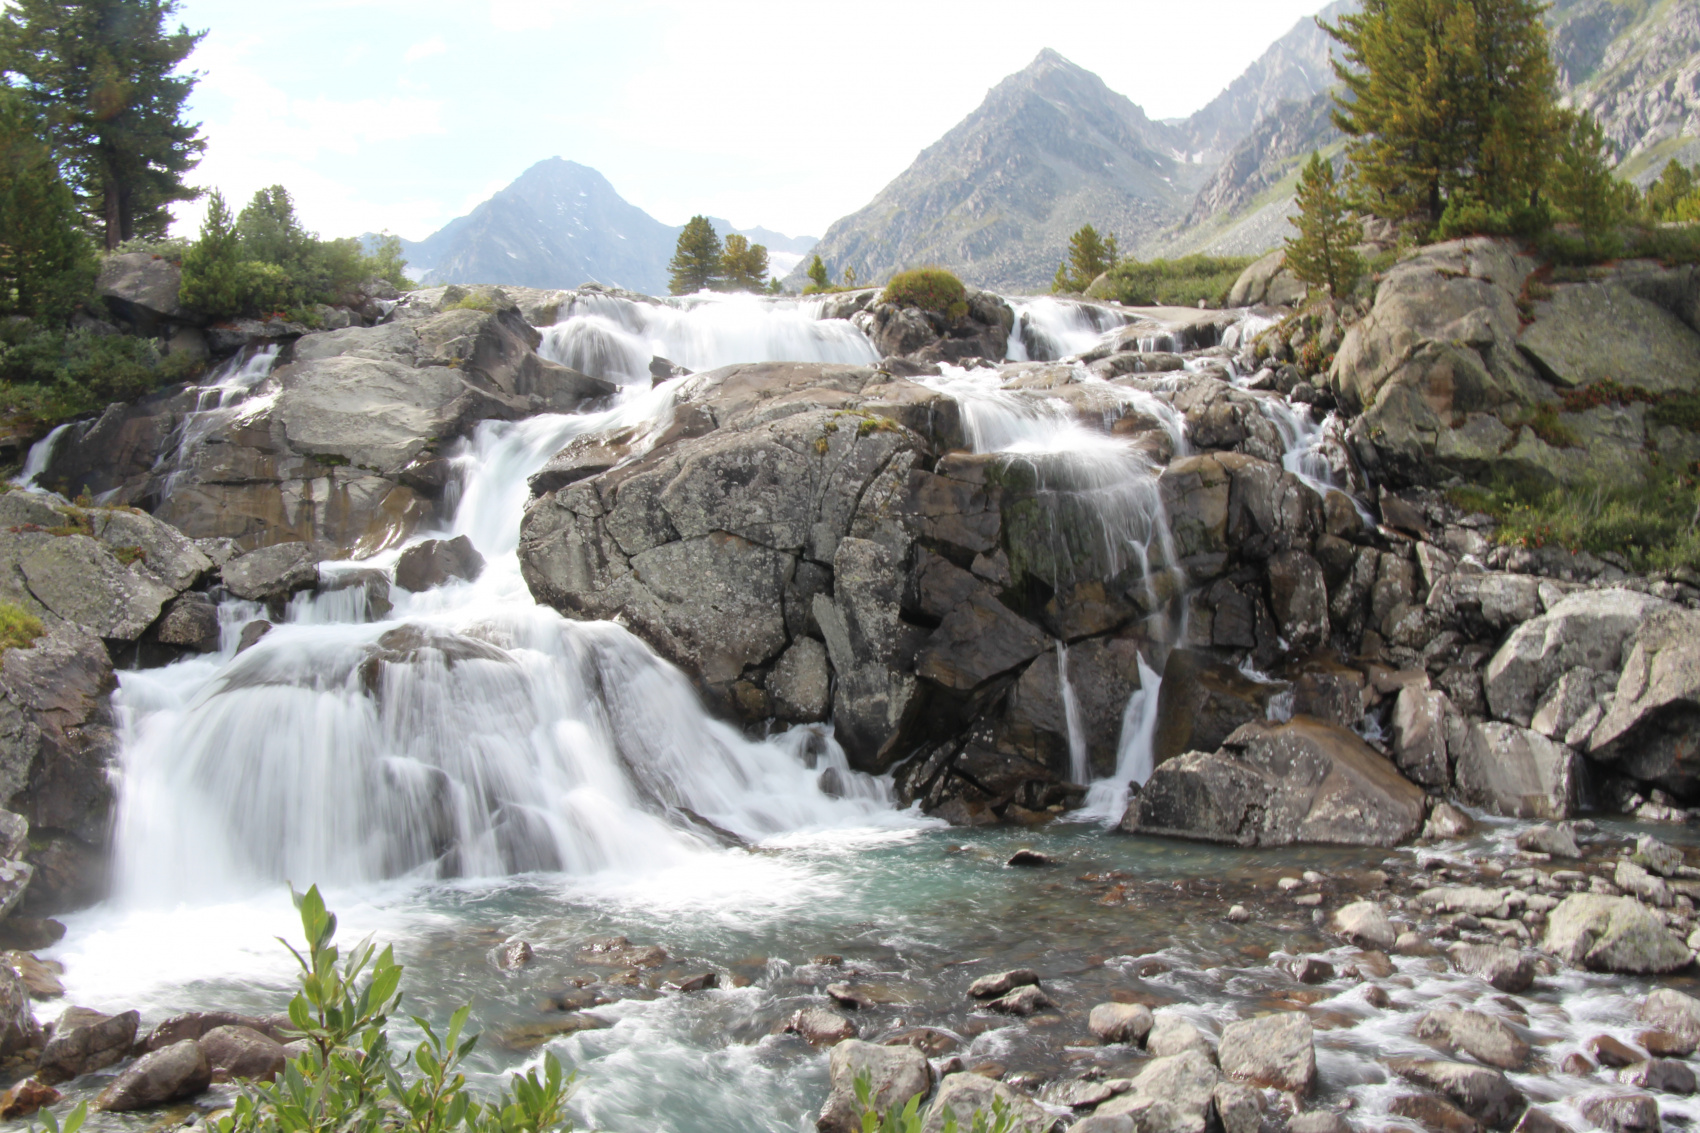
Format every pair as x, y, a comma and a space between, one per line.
1089, 256
818, 274
744, 264
849, 277
46, 262
1450, 105
1582, 186
1675, 185
1322, 253
696, 263
104, 75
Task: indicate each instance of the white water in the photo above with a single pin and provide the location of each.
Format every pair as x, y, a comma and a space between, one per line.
226, 398
1080, 767
614, 338
40, 456
1048, 329
1106, 799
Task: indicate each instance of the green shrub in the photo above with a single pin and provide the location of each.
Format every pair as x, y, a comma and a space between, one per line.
18, 627
349, 1080
1649, 521
1172, 283
908, 1118
49, 374
473, 301
930, 289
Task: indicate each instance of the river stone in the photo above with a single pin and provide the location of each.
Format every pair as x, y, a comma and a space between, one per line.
1435, 1114
190, 621
1172, 1034
1660, 1075
15, 878
1273, 1051
1022, 1001
1650, 728
1419, 735
1621, 1113
1120, 1022
84, 1041
1506, 969
1674, 1013
1538, 1120
177, 1071
1364, 924
1557, 840
1612, 934
801, 682
1002, 983
1482, 1037
1172, 1094
1319, 1121
236, 1052
1277, 784
1482, 1093
42, 981
1447, 821
1662, 859
1239, 1108
1592, 332
819, 1026
895, 1074
966, 1094
1108, 1123
1586, 629
272, 573
1515, 772
436, 562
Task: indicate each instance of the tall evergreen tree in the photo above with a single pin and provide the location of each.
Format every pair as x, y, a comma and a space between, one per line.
744, 264
1582, 186
818, 275
104, 74
1675, 185
1322, 254
1089, 256
46, 261
1450, 104
696, 264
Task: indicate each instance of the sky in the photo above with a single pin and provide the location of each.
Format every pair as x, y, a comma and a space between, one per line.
400, 115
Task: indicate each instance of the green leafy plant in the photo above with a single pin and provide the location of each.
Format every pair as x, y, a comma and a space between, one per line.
19, 628
49, 374
349, 1081
930, 289
1171, 283
908, 1118
73, 1120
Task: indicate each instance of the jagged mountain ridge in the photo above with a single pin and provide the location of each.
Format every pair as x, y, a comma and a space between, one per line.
560, 224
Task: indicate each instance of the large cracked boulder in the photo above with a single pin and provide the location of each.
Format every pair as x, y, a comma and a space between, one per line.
142, 289
1650, 731
1277, 784
1612, 934
1584, 630
1514, 771
1592, 332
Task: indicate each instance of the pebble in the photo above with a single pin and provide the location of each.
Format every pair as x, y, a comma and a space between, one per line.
1288, 884
1028, 858
1238, 914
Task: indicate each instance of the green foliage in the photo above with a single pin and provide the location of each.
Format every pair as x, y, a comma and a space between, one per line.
349, 1080
930, 289
105, 76
46, 263
1321, 254
1543, 421
743, 265
219, 280
1582, 187
387, 262
849, 279
1089, 256
49, 374
1469, 216
908, 1118
696, 264
818, 276
473, 301
1675, 196
1449, 103
1177, 283
18, 627
1649, 521
73, 1120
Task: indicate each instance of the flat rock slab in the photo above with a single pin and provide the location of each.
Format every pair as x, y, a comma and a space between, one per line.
1612, 934
1274, 1051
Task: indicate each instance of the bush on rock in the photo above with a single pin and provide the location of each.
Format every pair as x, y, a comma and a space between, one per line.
930, 289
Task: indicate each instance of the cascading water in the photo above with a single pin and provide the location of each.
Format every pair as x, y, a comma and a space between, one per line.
40, 456
611, 337
1048, 329
227, 397
1106, 799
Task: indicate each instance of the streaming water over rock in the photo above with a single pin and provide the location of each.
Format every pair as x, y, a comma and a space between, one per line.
39, 456
1048, 329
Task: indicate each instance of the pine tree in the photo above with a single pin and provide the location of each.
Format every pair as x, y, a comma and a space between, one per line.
1089, 256
46, 262
1322, 254
103, 73
1450, 105
849, 277
1675, 184
1582, 186
744, 264
818, 274
696, 264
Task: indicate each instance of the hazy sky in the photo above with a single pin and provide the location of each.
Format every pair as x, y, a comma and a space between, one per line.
403, 114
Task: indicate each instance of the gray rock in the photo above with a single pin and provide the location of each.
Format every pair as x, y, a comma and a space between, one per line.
1419, 735
1558, 840
141, 288
14, 834
801, 682
15, 878
192, 1025
1239, 1108
435, 562
1482, 1037
1621, 1113
78, 579
236, 1052
819, 1026
1172, 1035
1648, 731
167, 1075
1120, 1022
964, 1095
272, 573
1586, 629
1172, 1094
895, 1074
1572, 701
1588, 332
1612, 934
1022, 1001
156, 548
1666, 861
1276, 784
1678, 1015
85, 1041
1109, 1123
1660, 1075
1447, 821
1505, 968
1002, 983
1515, 772
1267, 282
1298, 597
1482, 1093
1319, 1121
18, 1028
190, 621
1365, 924
1273, 1051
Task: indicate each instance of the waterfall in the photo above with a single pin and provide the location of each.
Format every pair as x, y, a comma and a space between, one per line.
226, 397
40, 456
1080, 767
1106, 799
614, 338
1048, 329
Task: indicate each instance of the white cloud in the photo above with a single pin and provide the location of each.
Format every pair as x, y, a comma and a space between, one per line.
426, 48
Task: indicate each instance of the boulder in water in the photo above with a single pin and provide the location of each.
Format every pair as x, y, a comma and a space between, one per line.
1172, 1034
1273, 1051
1482, 1093
818, 1026
1621, 1113
895, 1074
272, 574
1482, 1037
435, 562
84, 1041
1612, 934
1675, 1014
167, 1075
1171, 1094
1587, 630
25, 1098
239, 1053
190, 621
1516, 772
1120, 1022
1506, 969
964, 1095
1365, 924
194, 1024
1002, 983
